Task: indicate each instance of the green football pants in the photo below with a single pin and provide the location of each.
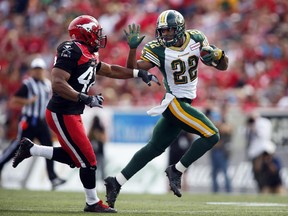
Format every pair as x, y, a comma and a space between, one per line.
178, 116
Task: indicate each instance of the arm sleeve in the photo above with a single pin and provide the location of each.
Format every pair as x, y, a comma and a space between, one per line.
67, 56
149, 55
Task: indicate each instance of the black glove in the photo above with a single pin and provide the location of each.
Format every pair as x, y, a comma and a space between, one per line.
91, 100
146, 76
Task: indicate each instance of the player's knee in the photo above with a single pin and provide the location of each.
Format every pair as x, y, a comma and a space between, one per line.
213, 140
216, 138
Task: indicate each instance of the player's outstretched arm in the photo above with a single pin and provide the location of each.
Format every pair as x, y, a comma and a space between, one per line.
119, 72
133, 40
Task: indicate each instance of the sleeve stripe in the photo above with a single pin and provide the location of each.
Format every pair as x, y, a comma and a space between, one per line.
151, 57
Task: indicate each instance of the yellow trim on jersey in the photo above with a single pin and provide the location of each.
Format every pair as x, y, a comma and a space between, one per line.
145, 59
185, 117
185, 44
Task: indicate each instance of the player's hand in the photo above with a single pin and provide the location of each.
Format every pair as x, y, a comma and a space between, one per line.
210, 54
91, 100
133, 38
146, 76
96, 101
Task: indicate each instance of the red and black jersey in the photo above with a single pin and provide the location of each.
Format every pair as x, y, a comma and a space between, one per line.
75, 58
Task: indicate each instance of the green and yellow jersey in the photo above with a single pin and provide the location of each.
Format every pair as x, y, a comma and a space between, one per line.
178, 65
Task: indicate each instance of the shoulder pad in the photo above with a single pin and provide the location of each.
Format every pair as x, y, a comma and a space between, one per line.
154, 44
68, 49
198, 36
151, 52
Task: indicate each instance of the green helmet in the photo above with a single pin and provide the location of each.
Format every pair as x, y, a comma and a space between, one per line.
170, 19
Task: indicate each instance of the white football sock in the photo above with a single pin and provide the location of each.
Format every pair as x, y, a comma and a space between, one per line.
43, 151
91, 196
121, 179
180, 167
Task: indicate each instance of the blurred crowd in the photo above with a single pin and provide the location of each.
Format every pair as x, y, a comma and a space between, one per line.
253, 33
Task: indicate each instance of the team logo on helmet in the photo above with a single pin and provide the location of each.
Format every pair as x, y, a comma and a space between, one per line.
87, 29
179, 20
88, 26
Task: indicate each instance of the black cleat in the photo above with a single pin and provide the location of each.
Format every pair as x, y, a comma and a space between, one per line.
174, 180
23, 151
99, 207
112, 190
56, 182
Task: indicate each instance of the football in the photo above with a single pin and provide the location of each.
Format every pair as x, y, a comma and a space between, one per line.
205, 50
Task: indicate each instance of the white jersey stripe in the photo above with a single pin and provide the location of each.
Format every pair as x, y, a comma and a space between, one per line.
40, 89
153, 58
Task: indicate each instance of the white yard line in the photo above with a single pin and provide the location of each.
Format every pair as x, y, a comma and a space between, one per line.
248, 204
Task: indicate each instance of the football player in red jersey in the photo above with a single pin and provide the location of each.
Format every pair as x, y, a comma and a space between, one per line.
76, 65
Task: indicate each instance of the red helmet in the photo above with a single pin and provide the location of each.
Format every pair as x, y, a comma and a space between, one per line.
86, 28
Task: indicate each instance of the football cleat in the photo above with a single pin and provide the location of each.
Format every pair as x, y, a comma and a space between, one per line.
112, 190
23, 151
174, 180
99, 207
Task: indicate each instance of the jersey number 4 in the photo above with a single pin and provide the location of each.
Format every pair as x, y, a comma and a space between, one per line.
87, 79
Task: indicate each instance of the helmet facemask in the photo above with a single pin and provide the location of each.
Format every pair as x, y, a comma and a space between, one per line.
94, 38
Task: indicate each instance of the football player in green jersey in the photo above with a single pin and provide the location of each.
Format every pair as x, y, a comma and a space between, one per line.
176, 52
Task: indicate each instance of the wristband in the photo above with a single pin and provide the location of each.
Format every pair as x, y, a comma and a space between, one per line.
83, 98
135, 72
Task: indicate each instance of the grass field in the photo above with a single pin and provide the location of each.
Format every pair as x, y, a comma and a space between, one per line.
30, 203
